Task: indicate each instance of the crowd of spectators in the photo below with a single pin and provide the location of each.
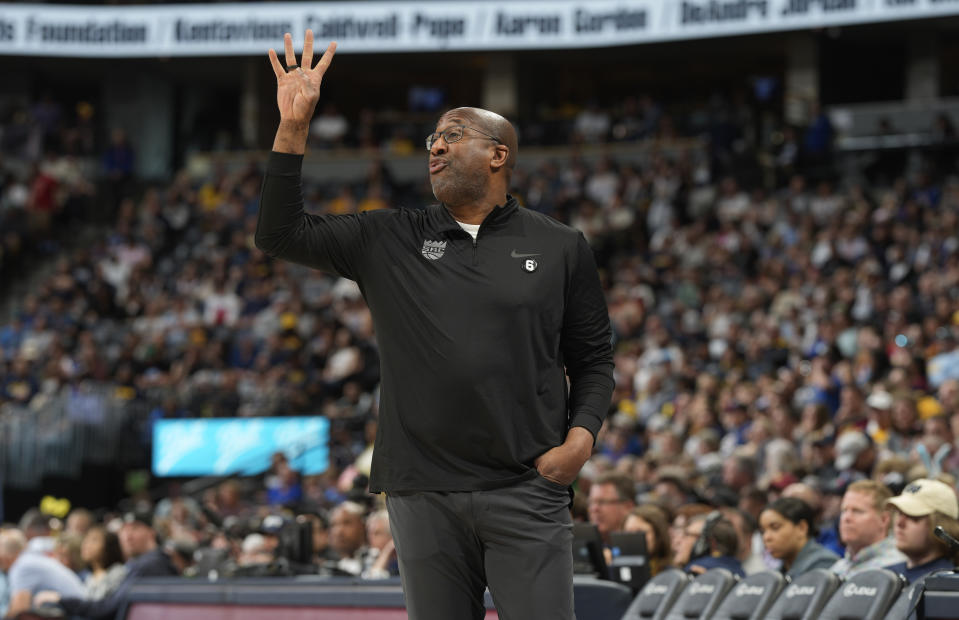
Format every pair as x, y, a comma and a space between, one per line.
793, 341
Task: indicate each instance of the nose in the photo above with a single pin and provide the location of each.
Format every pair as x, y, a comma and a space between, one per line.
439, 146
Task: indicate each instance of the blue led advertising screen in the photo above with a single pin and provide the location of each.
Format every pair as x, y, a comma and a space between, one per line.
240, 446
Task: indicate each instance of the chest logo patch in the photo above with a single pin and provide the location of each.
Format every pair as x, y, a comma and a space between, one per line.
433, 250
530, 265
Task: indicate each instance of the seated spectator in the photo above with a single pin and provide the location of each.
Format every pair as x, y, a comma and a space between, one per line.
864, 529
788, 529
708, 541
144, 557
283, 486
348, 537
652, 521
256, 550
79, 522
66, 550
611, 498
382, 553
100, 551
827, 535
29, 573
750, 553
923, 505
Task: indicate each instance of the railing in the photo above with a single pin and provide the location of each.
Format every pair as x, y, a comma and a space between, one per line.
81, 423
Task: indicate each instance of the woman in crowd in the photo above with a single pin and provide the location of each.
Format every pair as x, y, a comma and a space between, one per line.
652, 521
101, 551
788, 530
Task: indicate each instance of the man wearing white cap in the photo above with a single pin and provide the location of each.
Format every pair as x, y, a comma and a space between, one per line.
923, 505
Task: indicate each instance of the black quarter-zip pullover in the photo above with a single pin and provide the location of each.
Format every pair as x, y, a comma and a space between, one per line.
476, 338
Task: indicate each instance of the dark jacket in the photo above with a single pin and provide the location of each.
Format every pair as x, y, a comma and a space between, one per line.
916, 573
811, 556
476, 338
151, 564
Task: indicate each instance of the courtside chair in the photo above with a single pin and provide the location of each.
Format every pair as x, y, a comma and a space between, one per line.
866, 595
752, 597
658, 595
805, 597
703, 595
900, 609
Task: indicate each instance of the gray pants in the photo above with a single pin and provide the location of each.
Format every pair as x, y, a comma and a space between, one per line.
516, 539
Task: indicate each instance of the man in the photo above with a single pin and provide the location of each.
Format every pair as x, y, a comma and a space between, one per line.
864, 529
482, 309
855, 453
612, 496
30, 573
716, 549
144, 558
348, 537
382, 554
923, 505
828, 535
739, 471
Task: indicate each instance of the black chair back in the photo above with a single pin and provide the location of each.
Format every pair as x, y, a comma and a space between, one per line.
703, 595
751, 598
658, 595
865, 595
805, 597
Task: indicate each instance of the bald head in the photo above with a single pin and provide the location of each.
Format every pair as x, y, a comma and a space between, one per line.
493, 124
806, 493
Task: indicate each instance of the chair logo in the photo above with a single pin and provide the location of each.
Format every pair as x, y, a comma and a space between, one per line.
655, 589
748, 590
795, 590
702, 588
854, 590
433, 250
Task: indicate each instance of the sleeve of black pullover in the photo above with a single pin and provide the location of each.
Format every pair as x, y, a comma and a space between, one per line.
331, 243
586, 343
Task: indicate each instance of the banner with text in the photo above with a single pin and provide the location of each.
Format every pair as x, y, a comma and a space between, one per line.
427, 26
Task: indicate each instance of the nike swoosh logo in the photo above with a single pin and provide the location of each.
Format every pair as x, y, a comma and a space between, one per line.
515, 255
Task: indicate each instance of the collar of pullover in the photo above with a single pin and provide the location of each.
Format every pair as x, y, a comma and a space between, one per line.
442, 220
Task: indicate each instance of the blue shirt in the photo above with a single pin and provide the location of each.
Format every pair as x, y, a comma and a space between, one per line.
724, 561
918, 572
35, 572
4, 595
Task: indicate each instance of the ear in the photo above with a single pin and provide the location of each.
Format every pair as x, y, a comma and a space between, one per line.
500, 156
803, 526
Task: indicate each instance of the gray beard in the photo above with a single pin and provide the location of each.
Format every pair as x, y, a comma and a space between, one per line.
457, 189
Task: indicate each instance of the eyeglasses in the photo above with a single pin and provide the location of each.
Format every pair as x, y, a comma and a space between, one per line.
604, 502
454, 134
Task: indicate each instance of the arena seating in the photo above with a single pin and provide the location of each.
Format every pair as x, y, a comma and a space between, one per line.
819, 594
703, 595
900, 609
657, 596
751, 598
805, 597
864, 595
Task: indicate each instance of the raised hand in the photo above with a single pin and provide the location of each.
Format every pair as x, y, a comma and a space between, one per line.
298, 90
